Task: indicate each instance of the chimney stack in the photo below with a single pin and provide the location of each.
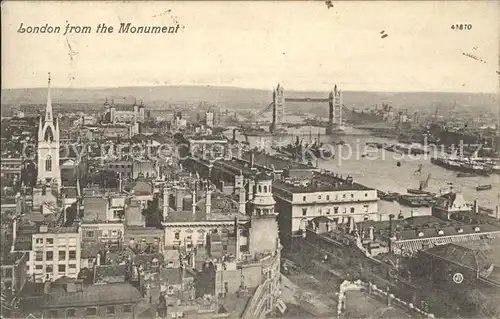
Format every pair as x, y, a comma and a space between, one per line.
166, 202
476, 206
193, 205
14, 233
208, 200
242, 200
120, 186
252, 160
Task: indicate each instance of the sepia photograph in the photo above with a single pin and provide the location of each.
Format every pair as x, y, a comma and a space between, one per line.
250, 159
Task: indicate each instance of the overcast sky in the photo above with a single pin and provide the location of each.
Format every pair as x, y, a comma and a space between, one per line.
303, 45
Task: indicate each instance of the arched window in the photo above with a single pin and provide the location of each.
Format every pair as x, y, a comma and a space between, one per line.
48, 164
265, 189
49, 136
260, 189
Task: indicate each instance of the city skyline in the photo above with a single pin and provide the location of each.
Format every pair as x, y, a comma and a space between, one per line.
322, 46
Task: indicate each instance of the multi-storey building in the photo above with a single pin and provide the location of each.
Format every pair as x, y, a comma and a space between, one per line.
55, 253
299, 200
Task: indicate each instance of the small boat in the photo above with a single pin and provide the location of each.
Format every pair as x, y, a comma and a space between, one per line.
398, 164
483, 187
417, 191
466, 174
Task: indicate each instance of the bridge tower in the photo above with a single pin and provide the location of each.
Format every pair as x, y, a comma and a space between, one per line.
278, 107
334, 111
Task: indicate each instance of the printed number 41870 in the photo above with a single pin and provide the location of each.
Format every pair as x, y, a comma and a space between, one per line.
461, 26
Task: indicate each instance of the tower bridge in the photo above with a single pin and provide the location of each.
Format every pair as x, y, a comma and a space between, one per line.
336, 109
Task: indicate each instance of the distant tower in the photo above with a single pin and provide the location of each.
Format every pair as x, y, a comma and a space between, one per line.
112, 111
334, 110
136, 108
278, 105
263, 236
48, 146
142, 112
107, 111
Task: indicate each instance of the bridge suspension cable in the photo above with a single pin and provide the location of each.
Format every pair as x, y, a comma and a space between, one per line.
266, 109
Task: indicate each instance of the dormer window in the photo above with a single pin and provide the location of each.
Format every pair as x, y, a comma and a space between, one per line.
460, 230
476, 229
440, 232
420, 234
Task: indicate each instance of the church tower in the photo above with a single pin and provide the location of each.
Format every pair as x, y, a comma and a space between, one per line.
263, 236
48, 146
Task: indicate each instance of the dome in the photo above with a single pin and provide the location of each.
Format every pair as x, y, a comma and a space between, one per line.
263, 177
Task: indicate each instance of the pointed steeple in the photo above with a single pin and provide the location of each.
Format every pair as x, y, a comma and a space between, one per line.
48, 108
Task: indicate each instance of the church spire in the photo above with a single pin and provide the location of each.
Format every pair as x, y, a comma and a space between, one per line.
48, 109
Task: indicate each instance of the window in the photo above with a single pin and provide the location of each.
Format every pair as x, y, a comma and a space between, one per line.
335, 210
62, 255
49, 269
72, 255
304, 198
110, 310
352, 195
48, 164
8, 272
62, 268
39, 241
365, 207
50, 241
177, 235
91, 311
304, 211
70, 312
49, 255
127, 308
352, 210
53, 314
89, 233
366, 194
38, 267
319, 196
72, 266
328, 211
320, 211
39, 256
343, 196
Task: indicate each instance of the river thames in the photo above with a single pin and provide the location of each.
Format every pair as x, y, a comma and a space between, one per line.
379, 168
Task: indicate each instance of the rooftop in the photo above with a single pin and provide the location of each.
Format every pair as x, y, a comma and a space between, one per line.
223, 208
439, 231
270, 161
462, 255
94, 295
319, 182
